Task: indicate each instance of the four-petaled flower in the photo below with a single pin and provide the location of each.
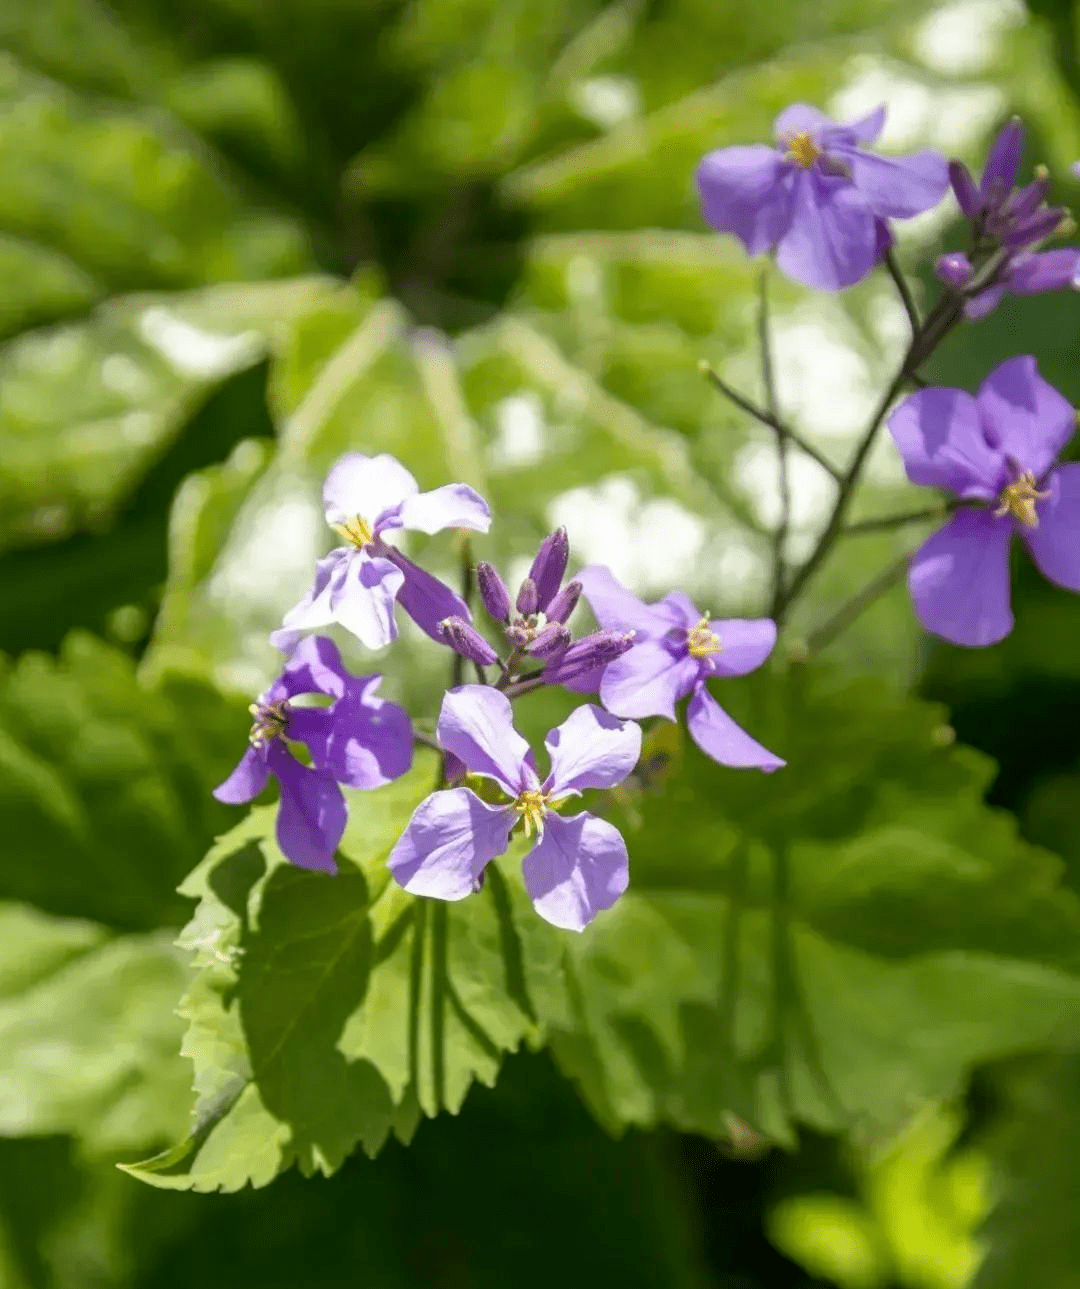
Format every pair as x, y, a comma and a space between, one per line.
360, 740
676, 651
1011, 222
818, 198
356, 585
997, 452
578, 865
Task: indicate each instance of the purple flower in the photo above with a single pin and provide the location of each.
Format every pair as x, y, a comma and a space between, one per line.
818, 198
359, 740
578, 865
1010, 222
356, 585
997, 453
676, 651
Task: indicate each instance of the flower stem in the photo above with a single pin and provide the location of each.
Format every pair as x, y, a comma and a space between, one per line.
847, 613
771, 402
885, 522
904, 292
766, 418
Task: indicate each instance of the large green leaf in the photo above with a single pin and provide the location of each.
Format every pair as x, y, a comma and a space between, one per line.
104, 784
833, 944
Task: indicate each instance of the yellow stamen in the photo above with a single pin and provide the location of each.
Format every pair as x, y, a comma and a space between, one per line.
532, 807
357, 530
1019, 499
271, 721
703, 642
801, 149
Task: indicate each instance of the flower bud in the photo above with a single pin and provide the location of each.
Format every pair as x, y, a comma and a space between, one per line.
518, 635
493, 591
550, 643
953, 269
1034, 228
587, 655
467, 641
563, 604
968, 196
549, 566
527, 602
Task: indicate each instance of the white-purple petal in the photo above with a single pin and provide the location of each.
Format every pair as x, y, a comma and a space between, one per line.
942, 439
247, 779
316, 609
747, 191
746, 642
455, 505
476, 724
832, 241
365, 487
802, 118
1055, 543
617, 609
959, 579
578, 867
718, 736
648, 681
311, 814
1031, 419
449, 840
363, 600
590, 749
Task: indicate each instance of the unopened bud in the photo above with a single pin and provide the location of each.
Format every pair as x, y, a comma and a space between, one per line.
518, 635
549, 566
564, 603
968, 196
467, 641
550, 643
587, 655
953, 269
493, 591
527, 600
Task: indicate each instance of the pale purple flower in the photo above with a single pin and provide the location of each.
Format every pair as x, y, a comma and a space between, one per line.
997, 453
360, 740
356, 585
818, 198
578, 865
676, 651
1009, 222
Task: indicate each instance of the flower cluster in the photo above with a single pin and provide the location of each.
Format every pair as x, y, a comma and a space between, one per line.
821, 202
578, 863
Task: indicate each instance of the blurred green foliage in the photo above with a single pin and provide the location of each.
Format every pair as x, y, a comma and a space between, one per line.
239, 238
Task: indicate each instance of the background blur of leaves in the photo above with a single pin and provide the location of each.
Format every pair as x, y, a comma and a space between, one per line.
238, 237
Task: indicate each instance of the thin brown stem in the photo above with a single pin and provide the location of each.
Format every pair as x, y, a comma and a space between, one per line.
904, 292
766, 418
886, 522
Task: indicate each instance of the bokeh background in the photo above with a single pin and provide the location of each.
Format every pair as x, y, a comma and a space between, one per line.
239, 237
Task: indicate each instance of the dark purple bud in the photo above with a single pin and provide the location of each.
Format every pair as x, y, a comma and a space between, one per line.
527, 601
564, 603
467, 641
1026, 232
518, 635
1003, 163
493, 591
953, 269
967, 195
587, 655
551, 643
549, 566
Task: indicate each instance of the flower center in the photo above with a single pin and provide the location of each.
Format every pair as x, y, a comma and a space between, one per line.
271, 721
357, 530
532, 808
703, 643
801, 149
1019, 499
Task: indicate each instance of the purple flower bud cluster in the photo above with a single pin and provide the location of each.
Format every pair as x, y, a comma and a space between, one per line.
1008, 224
578, 864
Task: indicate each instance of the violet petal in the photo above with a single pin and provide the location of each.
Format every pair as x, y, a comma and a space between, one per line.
747, 191
246, 781
455, 505
832, 240
1031, 419
447, 843
311, 814
746, 642
719, 737
959, 579
648, 681
1055, 543
476, 724
591, 749
940, 435
365, 487
577, 868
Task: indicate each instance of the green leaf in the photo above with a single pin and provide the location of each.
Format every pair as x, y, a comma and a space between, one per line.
88, 1032
1032, 1235
105, 784
329, 1012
